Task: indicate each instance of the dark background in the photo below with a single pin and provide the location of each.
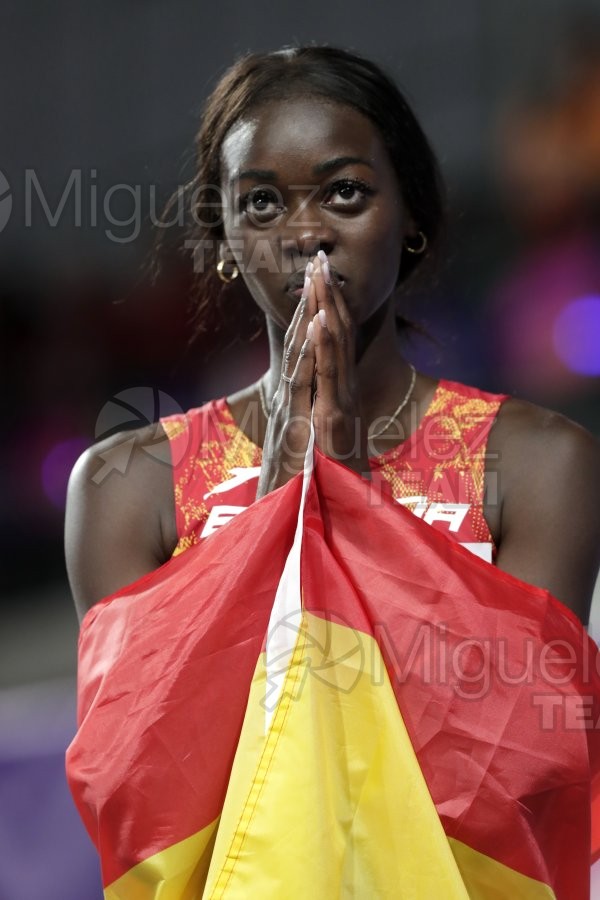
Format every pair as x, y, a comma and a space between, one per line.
110, 94
105, 99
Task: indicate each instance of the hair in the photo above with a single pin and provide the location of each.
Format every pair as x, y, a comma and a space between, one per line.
318, 71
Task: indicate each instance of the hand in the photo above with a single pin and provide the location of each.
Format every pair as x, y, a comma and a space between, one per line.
337, 420
319, 362
288, 427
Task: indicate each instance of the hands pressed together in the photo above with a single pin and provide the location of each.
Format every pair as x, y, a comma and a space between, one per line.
318, 364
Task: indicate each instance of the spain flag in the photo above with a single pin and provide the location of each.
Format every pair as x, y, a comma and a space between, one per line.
330, 699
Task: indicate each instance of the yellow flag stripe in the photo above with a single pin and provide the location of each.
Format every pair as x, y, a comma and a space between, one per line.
331, 802
488, 879
265, 761
177, 873
345, 810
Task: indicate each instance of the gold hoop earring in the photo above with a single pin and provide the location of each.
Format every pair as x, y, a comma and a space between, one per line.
227, 279
421, 248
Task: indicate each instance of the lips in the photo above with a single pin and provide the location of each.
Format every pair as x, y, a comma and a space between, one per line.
295, 282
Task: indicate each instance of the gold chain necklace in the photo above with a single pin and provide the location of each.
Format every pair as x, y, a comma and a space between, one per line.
372, 436
263, 399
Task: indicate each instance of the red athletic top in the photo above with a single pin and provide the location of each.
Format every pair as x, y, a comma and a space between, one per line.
438, 472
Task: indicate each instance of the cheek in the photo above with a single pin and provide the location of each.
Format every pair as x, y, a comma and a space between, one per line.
235, 232
254, 251
382, 228
382, 246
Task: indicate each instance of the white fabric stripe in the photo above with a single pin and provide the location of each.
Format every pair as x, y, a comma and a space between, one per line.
286, 614
595, 881
482, 550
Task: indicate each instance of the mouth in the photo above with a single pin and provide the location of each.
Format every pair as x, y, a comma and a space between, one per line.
295, 283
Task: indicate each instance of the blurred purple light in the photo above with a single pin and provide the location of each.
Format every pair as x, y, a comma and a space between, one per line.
57, 466
577, 335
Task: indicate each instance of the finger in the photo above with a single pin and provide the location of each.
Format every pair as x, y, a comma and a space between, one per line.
326, 365
301, 383
342, 333
297, 331
324, 296
301, 308
298, 387
335, 291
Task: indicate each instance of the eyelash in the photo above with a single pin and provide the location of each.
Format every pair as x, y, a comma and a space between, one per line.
361, 186
357, 184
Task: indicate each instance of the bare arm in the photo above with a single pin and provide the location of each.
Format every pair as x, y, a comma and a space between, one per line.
120, 517
549, 480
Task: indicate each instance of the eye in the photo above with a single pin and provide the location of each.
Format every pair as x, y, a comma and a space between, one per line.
262, 204
348, 193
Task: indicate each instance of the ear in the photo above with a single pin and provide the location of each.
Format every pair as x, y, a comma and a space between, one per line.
225, 253
410, 230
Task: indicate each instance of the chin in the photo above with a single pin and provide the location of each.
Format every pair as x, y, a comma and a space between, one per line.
373, 317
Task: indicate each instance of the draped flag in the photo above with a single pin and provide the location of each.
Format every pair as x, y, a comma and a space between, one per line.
319, 702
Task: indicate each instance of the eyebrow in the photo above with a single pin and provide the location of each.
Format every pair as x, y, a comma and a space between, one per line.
340, 161
320, 169
258, 174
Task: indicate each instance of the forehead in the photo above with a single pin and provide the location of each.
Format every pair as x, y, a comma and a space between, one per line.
294, 136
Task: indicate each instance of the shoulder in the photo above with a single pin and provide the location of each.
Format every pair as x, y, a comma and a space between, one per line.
118, 463
542, 442
120, 520
548, 473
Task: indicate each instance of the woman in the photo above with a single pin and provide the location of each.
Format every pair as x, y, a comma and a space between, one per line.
329, 197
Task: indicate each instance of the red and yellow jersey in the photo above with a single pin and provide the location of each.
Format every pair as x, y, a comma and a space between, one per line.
437, 472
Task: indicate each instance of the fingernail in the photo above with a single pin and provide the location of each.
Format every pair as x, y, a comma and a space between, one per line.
322, 318
309, 269
325, 266
309, 330
306, 288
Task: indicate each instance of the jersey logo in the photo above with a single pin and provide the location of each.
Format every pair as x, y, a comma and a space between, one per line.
419, 504
240, 476
219, 516
222, 514
430, 512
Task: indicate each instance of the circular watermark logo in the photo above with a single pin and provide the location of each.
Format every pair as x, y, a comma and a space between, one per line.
127, 412
6, 201
330, 651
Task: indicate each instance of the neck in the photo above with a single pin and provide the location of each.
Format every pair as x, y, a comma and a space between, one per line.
276, 338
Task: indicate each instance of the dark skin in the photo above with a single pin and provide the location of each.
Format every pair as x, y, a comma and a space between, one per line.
337, 345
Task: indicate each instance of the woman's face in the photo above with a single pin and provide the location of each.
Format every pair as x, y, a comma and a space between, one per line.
307, 174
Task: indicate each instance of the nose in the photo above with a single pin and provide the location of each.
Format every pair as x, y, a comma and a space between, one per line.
305, 233
308, 244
